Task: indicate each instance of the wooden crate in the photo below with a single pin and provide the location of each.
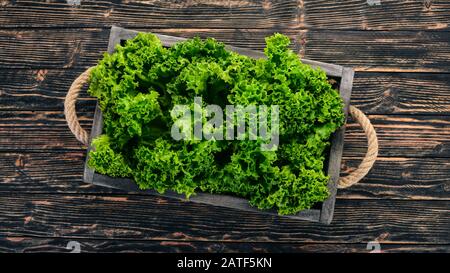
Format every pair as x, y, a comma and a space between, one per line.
324, 212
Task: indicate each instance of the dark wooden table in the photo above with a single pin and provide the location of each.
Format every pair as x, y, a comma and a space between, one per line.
400, 51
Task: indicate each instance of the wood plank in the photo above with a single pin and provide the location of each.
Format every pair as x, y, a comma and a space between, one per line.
353, 14
153, 218
61, 48
11, 244
45, 172
377, 15
81, 48
41, 90
37, 130
398, 135
391, 178
153, 13
400, 178
402, 136
373, 93
402, 93
385, 51
382, 51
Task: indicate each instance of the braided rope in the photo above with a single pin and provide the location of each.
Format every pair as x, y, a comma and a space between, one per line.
344, 182
371, 154
69, 107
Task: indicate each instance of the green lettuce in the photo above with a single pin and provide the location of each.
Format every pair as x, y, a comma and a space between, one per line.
138, 86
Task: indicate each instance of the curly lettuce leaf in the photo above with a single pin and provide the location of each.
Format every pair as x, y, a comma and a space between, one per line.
140, 83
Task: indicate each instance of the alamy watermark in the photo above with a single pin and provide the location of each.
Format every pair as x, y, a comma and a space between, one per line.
208, 123
74, 246
374, 2
374, 246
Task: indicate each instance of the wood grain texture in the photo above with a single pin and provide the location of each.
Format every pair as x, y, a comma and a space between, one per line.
398, 135
391, 178
45, 172
404, 51
385, 51
373, 93
48, 129
75, 48
354, 14
154, 218
41, 49
386, 15
154, 13
402, 93
403, 202
59, 245
400, 178
41, 89
402, 136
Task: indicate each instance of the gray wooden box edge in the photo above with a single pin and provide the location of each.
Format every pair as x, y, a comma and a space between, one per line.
324, 215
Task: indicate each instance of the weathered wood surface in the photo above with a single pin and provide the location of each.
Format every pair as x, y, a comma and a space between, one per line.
378, 15
373, 93
71, 48
391, 178
381, 51
354, 14
398, 135
421, 136
157, 218
402, 93
32, 245
400, 50
155, 13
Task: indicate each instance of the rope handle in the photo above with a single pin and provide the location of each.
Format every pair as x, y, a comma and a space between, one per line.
69, 107
344, 182
371, 154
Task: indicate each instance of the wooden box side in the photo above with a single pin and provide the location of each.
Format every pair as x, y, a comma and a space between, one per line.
323, 215
337, 148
